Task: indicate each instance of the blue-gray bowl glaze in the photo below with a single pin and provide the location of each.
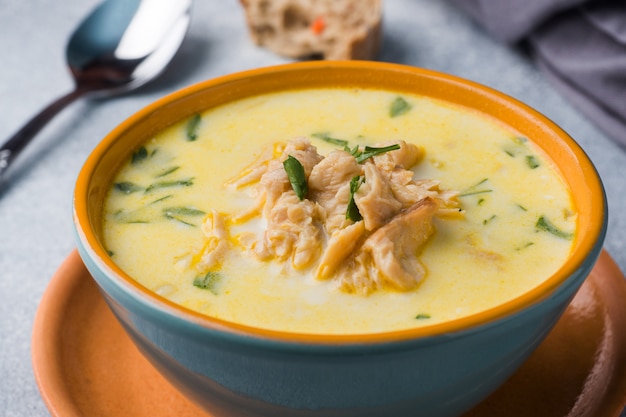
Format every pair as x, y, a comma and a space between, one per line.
232, 374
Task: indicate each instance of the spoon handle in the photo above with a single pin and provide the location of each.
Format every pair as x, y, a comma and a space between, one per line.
15, 144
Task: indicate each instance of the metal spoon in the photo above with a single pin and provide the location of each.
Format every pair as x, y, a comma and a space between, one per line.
120, 46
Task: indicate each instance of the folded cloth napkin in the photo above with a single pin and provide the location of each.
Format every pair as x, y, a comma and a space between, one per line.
579, 44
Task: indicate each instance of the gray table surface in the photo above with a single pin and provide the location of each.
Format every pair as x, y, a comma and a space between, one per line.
35, 206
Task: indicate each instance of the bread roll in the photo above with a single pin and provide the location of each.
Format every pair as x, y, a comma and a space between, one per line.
324, 29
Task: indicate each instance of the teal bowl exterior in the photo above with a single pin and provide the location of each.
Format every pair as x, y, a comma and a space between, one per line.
234, 374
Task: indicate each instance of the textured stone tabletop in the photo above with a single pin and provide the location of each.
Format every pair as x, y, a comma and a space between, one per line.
35, 205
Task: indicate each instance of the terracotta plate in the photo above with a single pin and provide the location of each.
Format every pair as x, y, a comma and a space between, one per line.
86, 366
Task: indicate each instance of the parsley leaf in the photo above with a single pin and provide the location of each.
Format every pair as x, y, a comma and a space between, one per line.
295, 173
399, 107
352, 212
192, 127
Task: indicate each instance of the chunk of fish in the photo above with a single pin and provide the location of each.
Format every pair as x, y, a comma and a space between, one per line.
375, 198
216, 241
379, 251
389, 257
340, 246
291, 232
406, 157
329, 186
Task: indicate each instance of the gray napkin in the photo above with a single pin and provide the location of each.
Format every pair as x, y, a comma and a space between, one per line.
579, 44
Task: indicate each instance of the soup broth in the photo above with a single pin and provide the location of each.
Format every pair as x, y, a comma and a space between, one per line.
514, 228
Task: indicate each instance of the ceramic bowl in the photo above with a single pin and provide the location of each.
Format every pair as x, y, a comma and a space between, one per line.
437, 370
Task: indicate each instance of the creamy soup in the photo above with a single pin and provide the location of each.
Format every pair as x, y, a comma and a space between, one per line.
186, 218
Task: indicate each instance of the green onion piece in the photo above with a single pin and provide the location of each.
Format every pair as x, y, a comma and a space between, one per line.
466, 194
545, 225
532, 161
518, 146
326, 138
295, 173
169, 184
175, 213
127, 187
422, 316
158, 200
208, 281
520, 140
167, 172
526, 245
474, 189
179, 220
398, 107
192, 127
354, 151
352, 212
139, 155
489, 219
370, 151
182, 211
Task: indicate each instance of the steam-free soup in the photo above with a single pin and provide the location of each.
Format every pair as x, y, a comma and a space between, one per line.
188, 215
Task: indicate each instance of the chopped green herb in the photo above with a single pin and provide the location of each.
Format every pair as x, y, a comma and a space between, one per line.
179, 213
192, 127
295, 173
158, 200
480, 201
545, 225
517, 147
370, 151
167, 172
182, 211
468, 193
532, 161
489, 219
519, 248
132, 217
422, 316
125, 217
110, 252
127, 187
398, 107
169, 184
522, 207
353, 151
208, 281
352, 212
326, 138
475, 189
179, 220
139, 155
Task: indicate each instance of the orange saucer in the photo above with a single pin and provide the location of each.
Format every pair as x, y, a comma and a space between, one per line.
86, 366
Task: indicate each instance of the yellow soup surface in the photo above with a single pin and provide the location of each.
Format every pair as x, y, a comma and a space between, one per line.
515, 225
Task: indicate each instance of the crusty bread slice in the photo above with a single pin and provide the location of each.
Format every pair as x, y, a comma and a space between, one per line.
325, 29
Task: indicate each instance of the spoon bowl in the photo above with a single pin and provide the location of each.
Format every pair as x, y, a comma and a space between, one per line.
120, 46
